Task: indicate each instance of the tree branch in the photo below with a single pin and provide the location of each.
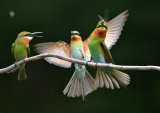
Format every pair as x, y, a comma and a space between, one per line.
16, 65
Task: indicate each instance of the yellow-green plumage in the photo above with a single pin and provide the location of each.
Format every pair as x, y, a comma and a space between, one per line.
81, 82
100, 53
20, 50
114, 26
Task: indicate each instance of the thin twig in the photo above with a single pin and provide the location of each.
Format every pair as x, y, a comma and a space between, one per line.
16, 65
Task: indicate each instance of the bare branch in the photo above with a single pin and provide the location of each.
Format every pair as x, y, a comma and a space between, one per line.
16, 65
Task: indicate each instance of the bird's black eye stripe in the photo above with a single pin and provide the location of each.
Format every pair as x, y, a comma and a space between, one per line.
75, 34
102, 26
27, 34
99, 26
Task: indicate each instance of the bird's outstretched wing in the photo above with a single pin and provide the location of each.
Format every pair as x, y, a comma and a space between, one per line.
86, 49
59, 48
115, 26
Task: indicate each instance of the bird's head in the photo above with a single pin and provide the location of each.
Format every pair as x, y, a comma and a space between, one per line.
75, 36
27, 36
102, 24
101, 28
75, 33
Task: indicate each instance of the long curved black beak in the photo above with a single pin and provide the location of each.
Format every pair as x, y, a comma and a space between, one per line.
34, 34
101, 19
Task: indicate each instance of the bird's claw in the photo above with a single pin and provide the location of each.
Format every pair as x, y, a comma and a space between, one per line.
96, 65
87, 62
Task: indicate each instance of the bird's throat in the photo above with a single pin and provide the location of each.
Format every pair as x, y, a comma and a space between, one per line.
27, 40
100, 33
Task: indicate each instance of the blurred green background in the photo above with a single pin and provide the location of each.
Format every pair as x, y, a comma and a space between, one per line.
42, 91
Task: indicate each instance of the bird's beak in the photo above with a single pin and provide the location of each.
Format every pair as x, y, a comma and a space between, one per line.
34, 34
101, 19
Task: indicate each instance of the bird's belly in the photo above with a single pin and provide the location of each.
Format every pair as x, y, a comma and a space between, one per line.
20, 53
80, 71
78, 54
97, 54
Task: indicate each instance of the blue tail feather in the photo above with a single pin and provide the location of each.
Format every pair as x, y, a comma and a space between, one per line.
119, 81
111, 72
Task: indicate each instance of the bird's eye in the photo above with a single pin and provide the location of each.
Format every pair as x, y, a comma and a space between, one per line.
99, 26
27, 35
77, 34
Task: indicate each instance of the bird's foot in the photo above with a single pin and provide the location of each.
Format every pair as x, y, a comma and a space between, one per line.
95, 66
87, 62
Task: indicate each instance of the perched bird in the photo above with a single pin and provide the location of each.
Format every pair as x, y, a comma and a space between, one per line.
115, 26
100, 41
20, 50
81, 83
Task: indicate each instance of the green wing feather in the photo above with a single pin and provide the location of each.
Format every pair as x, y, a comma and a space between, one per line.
108, 56
28, 51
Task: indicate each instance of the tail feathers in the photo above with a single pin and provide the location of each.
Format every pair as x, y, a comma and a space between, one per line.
119, 81
122, 76
110, 79
77, 88
22, 74
102, 78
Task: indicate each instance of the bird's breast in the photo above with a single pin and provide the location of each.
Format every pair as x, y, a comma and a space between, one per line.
76, 39
26, 40
100, 33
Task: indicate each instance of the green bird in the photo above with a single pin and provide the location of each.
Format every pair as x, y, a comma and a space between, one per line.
115, 26
20, 50
100, 41
81, 83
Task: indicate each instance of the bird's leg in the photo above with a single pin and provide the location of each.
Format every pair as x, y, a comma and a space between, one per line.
96, 65
24, 60
89, 61
101, 59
